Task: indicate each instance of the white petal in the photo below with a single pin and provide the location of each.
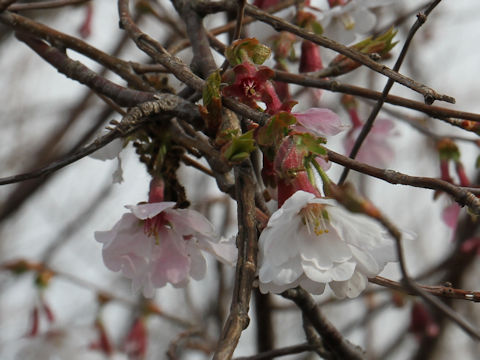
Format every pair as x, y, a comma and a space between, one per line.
191, 222
337, 272
147, 211
279, 242
322, 250
364, 20
225, 250
350, 288
117, 175
286, 274
312, 287
198, 265
108, 152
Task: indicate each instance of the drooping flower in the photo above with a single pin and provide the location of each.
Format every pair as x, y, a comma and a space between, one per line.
312, 242
157, 244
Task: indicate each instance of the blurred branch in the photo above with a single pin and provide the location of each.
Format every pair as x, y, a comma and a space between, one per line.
165, 104
288, 350
22, 265
332, 339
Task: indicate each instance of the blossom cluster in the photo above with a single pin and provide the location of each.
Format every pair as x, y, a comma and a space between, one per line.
310, 240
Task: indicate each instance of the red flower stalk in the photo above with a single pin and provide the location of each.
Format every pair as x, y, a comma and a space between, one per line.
464, 181
85, 29
265, 4
310, 59
137, 339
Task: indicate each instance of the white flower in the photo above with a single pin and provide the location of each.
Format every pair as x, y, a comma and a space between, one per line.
312, 241
343, 21
157, 244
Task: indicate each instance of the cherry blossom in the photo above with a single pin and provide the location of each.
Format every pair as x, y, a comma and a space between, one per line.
319, 122
252, 85
376, 149
312, 242
343, 19
157, 244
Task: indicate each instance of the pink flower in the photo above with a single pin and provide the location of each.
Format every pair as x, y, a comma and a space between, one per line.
421, 322
156, 244
450, 215
376, 149
252, 85
319, 122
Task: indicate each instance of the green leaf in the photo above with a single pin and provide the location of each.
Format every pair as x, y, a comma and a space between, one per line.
311, 143
276, 128
240, 147
317, 27
247, 50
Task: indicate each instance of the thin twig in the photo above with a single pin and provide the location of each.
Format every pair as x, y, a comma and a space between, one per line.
288, 350
460, 195
439, 291
165, 104
429, 94
421, 18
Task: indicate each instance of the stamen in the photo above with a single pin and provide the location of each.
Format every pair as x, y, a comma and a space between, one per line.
316, 217
249, 87
347, 21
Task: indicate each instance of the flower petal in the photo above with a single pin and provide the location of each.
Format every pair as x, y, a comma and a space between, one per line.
147, 211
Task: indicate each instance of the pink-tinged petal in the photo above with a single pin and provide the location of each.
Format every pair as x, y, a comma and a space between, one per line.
148, 211
376, 149
125, 246
450, 215
324, 164
190, 222
170, 261
198, 265
225, 250
384, 126
320, 122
